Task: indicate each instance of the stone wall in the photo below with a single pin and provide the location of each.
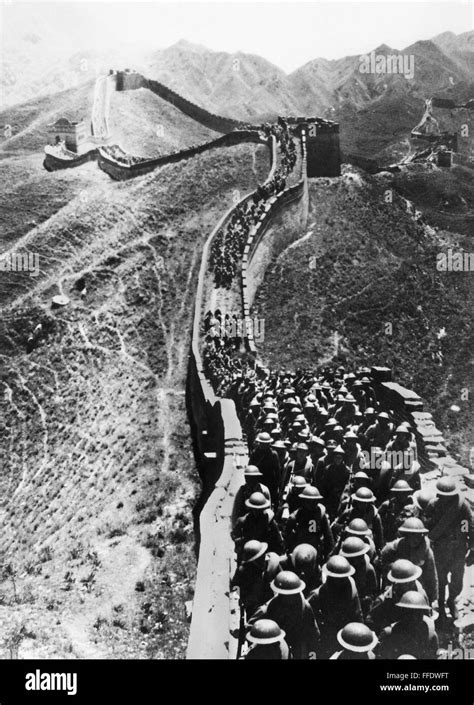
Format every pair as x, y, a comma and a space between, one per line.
290, 205
433, 456
120, 172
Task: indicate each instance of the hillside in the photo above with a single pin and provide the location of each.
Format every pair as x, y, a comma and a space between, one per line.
145, 125
98, 478
365, 267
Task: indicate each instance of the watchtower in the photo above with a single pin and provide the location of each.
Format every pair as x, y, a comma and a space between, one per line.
73, 134
322, 145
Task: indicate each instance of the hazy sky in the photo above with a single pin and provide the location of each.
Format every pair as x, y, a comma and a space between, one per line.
288, 34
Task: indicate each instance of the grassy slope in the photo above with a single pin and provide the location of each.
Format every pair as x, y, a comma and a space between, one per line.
145, 125
374, 266
98, 478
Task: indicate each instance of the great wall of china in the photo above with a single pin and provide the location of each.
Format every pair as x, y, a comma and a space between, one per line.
221, 449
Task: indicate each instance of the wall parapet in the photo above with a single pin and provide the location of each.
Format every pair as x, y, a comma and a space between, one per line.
407, 405
120, 171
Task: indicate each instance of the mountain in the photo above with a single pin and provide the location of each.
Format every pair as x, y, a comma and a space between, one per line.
240, 85
460, 48
376, 111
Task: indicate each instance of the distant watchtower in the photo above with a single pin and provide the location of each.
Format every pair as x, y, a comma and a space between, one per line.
322, 145
73, 134
128, 80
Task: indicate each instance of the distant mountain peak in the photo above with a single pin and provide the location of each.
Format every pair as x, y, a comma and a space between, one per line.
185, 45
384, 49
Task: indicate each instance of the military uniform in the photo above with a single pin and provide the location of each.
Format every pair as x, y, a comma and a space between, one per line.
392, 515
421, 556
370, 516
268, 463
334, 607
254, 585
297, 620
384, 610
244, 492
331, 485
262, 527
451, 534
310, 526
415, 635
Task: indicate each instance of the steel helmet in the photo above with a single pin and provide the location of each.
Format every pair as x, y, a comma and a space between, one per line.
402, 429
363, 494
358, 527
401, 486
264, 438
310, 493
338, 567
353, 547
383, 415
252, 550
356, 636
287, 583
265, 631
315, 440
412, 525
257, 500
405, 657
331, 444
331, 422
361, 475
252, 471
446, 487
339, 450
404, 571
350, 435
302, 446
303, 555
298, 481
413, 600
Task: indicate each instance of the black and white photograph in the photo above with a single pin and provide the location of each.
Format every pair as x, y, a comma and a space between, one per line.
236, 293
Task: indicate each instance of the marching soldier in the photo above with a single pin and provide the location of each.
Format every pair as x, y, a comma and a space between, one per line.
362, 506
253, 483
355, 550
449, 520
268, 641
413, 633
333, 481
259, 524
291, 611
336, 602
414, 546
396, 509
250, 576
380, 433
403, 576
310, 524
357, 641
265, 458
